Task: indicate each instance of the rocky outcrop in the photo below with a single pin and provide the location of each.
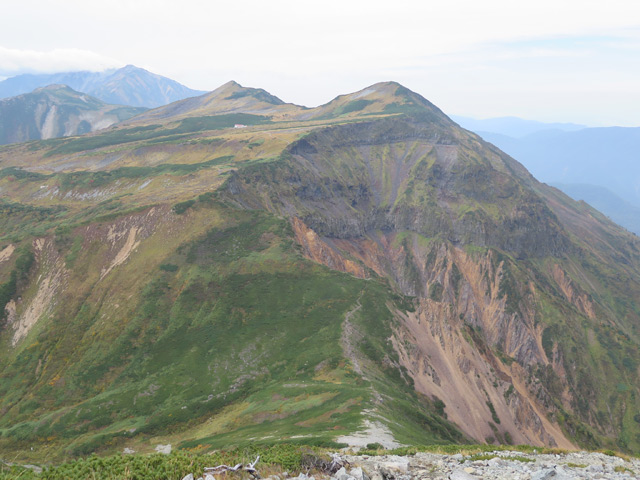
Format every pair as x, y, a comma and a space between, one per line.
573, 293
319, 250
486, 398
498, 465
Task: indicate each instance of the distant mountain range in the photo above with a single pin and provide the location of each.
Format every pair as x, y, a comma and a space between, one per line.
598, 156
588, 164
603, 199
56, 111
512, 126
129, 85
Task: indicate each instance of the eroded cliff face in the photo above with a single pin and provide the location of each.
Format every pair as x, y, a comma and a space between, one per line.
488, 400
464, 346
51, 282
57, 282
397, 175
320, 251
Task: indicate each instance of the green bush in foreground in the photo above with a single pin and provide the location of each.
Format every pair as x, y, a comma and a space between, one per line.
163, 467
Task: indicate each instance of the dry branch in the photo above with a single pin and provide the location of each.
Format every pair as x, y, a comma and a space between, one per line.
220, 469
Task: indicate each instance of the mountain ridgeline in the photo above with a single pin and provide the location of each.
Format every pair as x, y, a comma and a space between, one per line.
232, 269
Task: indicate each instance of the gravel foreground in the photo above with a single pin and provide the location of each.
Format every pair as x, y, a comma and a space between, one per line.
507, 465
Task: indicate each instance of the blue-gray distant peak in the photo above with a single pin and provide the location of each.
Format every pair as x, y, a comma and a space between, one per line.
129, 85
512, 126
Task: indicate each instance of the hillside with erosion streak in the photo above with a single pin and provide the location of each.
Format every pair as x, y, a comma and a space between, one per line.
233, 270
56, 111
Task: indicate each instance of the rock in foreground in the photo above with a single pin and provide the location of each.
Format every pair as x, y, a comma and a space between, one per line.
499, 465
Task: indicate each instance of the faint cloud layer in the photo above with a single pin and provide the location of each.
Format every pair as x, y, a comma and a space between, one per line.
14, 61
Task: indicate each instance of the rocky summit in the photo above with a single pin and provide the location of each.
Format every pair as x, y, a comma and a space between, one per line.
232, 269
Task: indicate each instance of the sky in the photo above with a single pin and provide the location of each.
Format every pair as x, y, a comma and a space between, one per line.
548, 60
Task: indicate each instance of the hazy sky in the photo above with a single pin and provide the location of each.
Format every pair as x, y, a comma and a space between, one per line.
550, 60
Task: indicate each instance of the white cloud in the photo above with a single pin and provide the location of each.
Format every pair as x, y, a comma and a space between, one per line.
14, 61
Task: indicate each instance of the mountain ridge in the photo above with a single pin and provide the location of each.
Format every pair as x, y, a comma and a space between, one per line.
316, 272
380, 99
230, 97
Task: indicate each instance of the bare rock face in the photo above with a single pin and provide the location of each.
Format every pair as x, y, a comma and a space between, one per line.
320, 251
